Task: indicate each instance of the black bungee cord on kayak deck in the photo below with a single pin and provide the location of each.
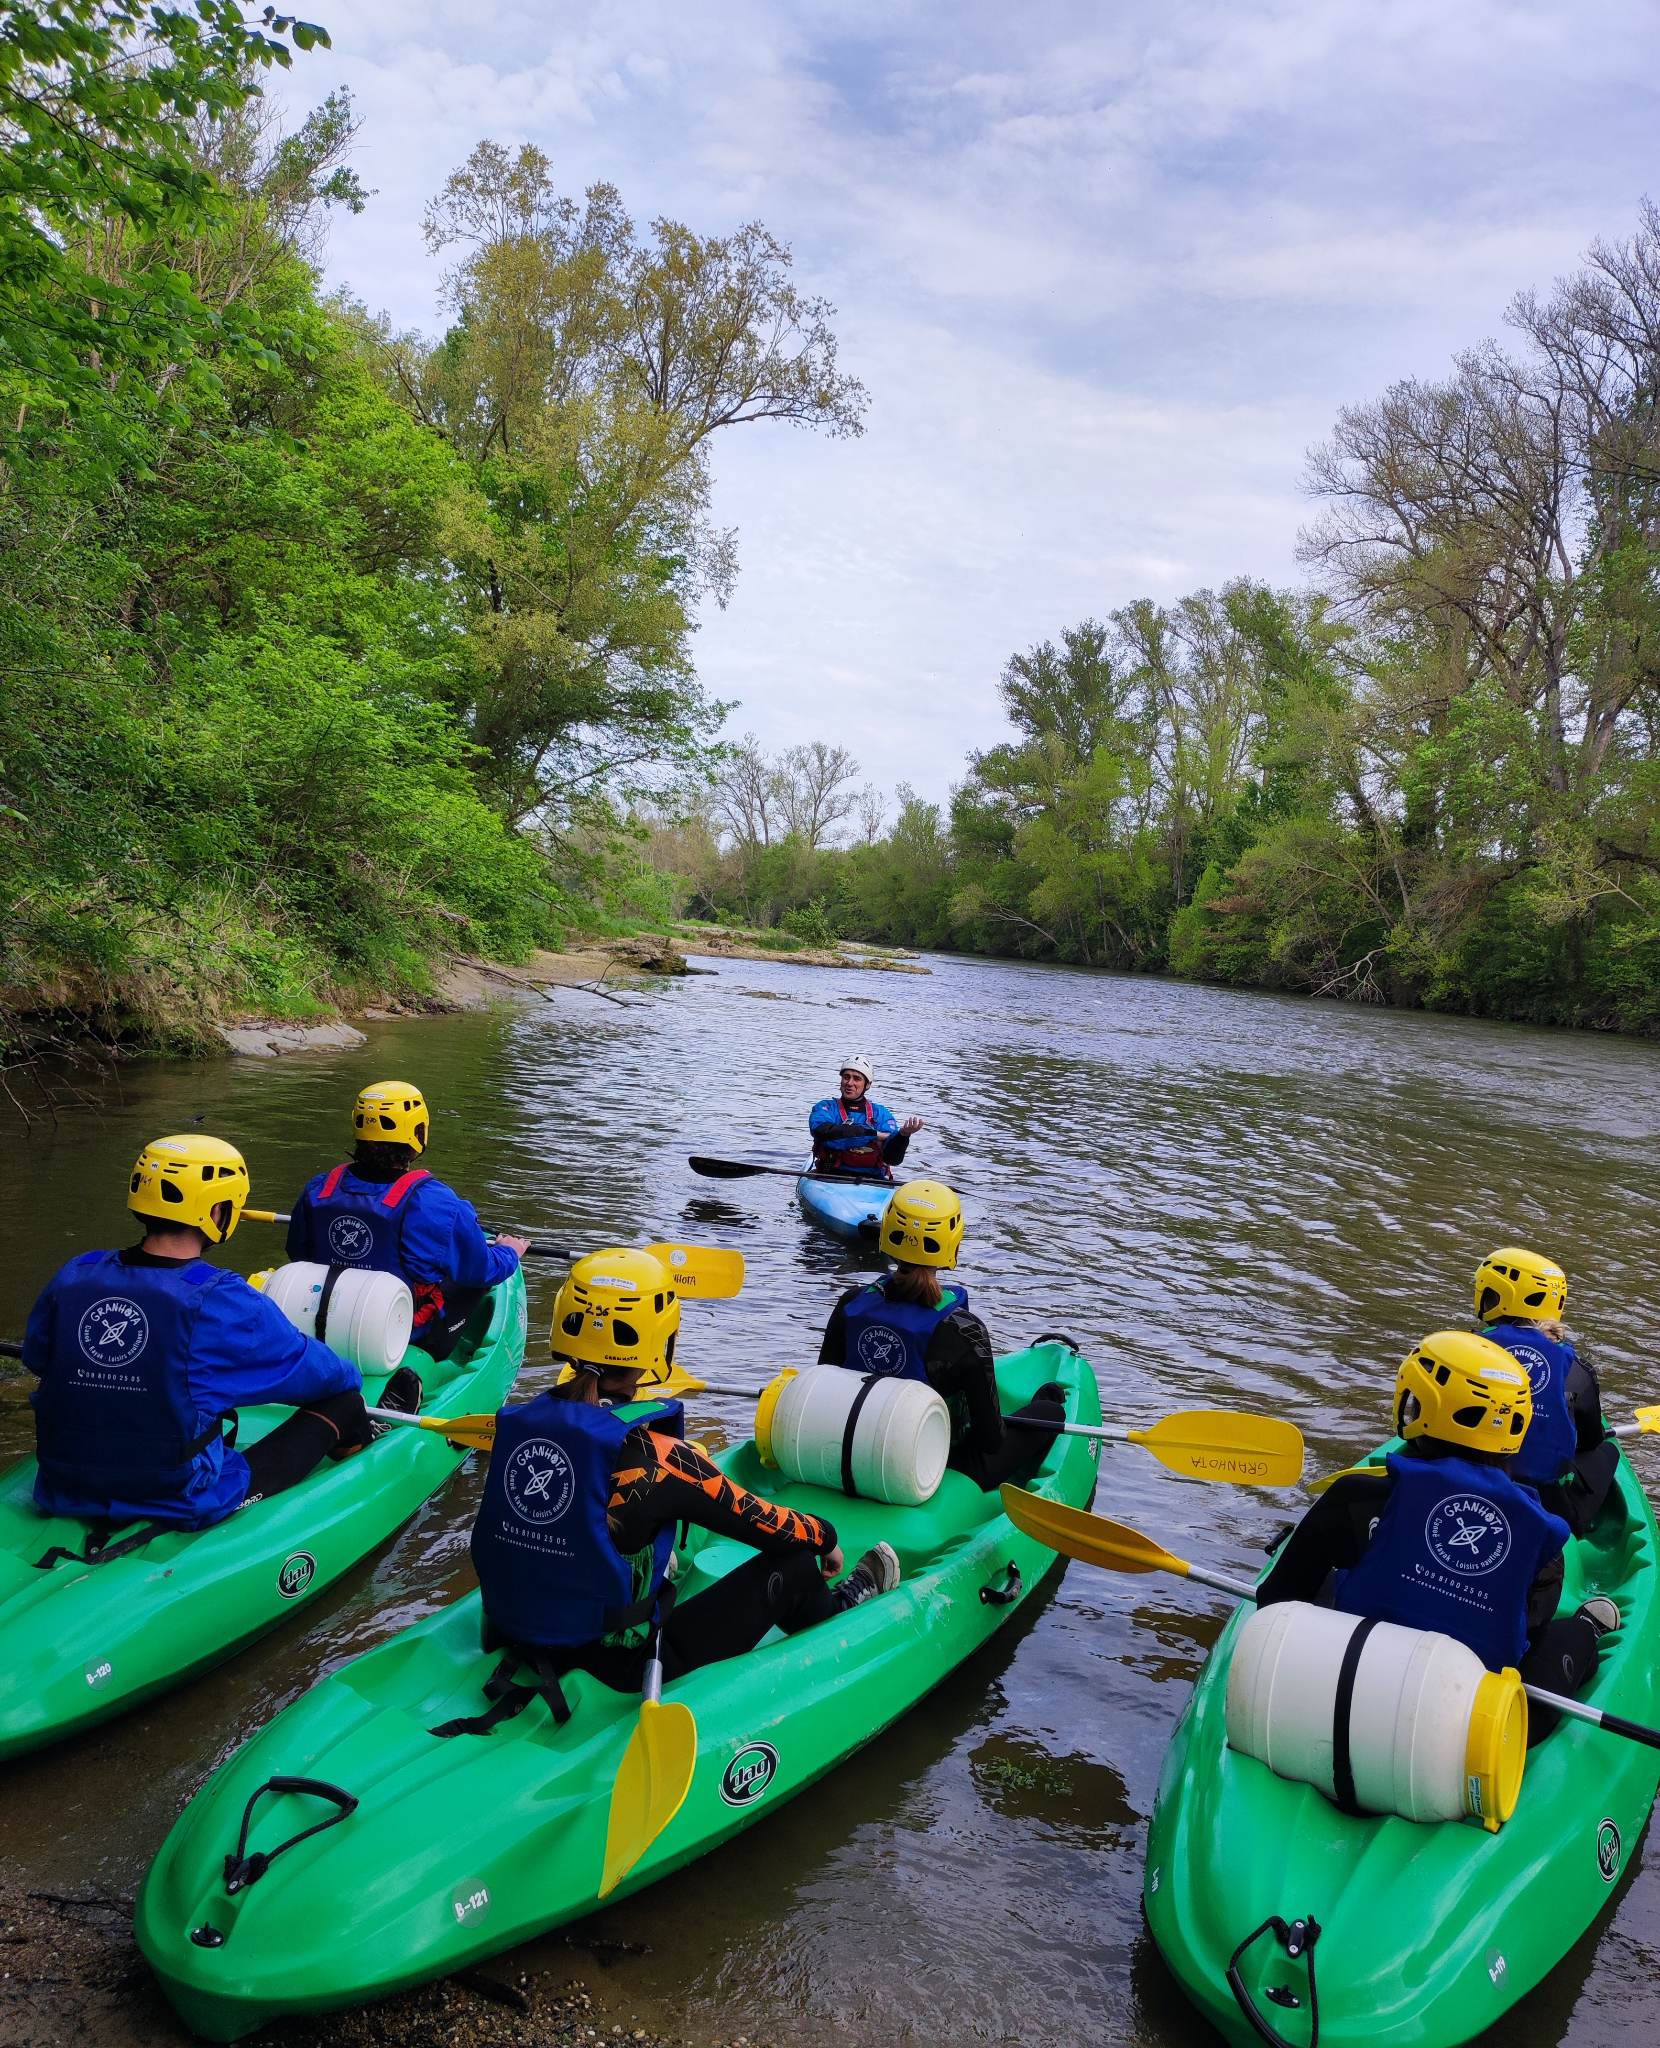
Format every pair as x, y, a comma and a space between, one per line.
1297, 1938
241, 1869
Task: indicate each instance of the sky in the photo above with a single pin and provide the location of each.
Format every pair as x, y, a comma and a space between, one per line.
1108, 271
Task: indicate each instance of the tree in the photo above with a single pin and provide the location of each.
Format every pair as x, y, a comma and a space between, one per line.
816, 790
584, 375
99, 182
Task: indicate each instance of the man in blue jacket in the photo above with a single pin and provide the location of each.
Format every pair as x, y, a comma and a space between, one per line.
852, 1134
382, 1211
143, 1354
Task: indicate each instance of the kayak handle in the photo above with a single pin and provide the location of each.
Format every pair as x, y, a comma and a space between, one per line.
1005, 1591
1056, 1337
1297, 1938
241, 1869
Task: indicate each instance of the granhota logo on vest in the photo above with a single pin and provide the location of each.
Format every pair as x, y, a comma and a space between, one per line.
113, 1331
1537, 1367
1468, 1535
350, 1238
881, 1350
540, 1482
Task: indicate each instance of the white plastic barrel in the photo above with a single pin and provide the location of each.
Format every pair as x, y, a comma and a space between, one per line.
1433, 1734
901, 1436
369, 1314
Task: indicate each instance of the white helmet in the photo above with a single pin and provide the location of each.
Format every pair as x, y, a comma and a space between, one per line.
859, 1064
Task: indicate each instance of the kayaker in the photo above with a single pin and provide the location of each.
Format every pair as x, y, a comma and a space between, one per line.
1441, 1537
1567, 1454
576, 1530
852, 1134
910, 1325
144, 1354
382, 1211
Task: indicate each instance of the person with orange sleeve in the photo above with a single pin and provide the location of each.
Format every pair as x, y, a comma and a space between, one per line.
587, 1486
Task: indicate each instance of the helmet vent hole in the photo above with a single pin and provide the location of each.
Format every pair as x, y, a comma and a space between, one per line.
171, 1191
624, 1333
572, 1324
1469, 1418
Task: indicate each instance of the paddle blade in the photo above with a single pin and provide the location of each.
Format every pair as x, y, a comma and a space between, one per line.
1091, 1538
708, 1271
477, 1432
725, 1169
651, 1787
1227, 1446
676, 1387
1647, 1421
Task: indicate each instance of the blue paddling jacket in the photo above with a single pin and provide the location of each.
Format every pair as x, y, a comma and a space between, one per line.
1457, 1549
855, 1137
413, 1226
140, 1359
1552, 1436
890, 1337
549, 1572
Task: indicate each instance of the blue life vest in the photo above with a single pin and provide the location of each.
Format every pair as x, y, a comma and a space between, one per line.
1551, 1438
115, 1418
362, 1226
892, 1337
1456, 1550
550, 1574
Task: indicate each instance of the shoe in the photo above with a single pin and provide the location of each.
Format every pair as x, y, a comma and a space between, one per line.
402, 1393
1601, 1613
876, 1572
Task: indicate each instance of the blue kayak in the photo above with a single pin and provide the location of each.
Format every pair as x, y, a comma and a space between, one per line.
850, 1208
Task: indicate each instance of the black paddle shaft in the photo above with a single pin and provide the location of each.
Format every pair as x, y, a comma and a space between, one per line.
744, 1169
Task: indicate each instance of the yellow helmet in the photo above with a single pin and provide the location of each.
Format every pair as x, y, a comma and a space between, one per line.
617, 1308
923, 1224
1462, 1389
1514, 1283
183, 1180
391, 1113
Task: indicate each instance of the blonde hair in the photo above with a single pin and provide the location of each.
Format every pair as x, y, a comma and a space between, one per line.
920, 1284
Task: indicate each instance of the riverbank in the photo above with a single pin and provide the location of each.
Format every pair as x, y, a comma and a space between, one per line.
70, 1973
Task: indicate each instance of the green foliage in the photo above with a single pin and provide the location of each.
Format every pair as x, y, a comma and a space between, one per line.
97, 98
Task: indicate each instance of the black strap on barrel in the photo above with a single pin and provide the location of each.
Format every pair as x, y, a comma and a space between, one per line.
330, 1283
1342, 1765
241, 1869
871, 1381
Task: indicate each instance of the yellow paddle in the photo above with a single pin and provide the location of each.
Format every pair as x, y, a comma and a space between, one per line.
1646, 1422
711, 1272
1220, 1444
1116, 1547
654, 1777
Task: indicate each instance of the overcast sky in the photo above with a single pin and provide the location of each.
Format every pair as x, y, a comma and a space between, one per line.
1108, 270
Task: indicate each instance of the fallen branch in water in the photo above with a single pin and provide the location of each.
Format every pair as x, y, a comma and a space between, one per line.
543, 989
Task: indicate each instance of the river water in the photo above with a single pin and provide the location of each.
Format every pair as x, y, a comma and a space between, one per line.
1226, 1198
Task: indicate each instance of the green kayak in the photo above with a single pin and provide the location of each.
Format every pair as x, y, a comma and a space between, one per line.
80, 1642
462, 1845
1427, 1932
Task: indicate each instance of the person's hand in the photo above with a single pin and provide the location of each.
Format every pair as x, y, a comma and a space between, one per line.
910, 1127
831, 1562
517, 1245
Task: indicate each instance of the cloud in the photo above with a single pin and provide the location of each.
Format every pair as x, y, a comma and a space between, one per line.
1107, 273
